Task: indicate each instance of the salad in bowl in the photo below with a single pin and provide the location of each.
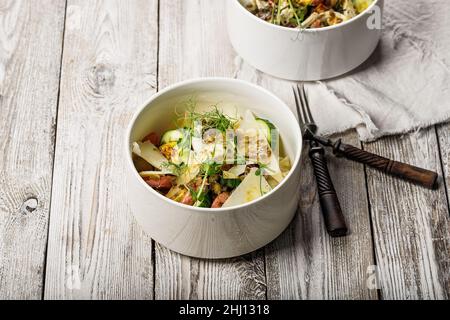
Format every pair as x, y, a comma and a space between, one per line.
211, 159
213, 167
306, 14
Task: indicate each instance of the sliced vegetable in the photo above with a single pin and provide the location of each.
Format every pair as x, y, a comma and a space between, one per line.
172, 136
266, 127
251, 188
249, 126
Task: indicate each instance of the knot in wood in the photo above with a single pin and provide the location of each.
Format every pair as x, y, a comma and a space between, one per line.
101, 78
29, 205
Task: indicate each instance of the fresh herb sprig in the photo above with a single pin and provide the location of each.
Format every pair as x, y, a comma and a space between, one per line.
175, 169
260, 173
212, 119
201, 197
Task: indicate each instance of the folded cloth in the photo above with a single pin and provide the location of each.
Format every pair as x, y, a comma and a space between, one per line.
404, 86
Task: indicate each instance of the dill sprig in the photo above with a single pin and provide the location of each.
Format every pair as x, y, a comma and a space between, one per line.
212, 119
175, 169
297, 19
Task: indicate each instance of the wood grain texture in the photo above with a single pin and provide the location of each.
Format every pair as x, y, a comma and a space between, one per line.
305, 262
96, 250
30, 56
443, 132
411, 224
194, 44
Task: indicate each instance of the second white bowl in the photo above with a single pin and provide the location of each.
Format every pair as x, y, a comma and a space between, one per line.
304, 55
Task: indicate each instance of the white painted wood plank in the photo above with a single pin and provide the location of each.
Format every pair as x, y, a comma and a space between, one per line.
411, 224
30, 55
443, 132
96, 250
193, 43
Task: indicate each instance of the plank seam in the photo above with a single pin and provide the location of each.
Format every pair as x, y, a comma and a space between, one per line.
54, 149
266, 295
441, 160
157, 90
372, 234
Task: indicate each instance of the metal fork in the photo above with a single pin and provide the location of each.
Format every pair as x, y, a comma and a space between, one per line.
419, 176
329, 202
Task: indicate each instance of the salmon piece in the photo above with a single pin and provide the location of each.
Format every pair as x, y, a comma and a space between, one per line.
188, 199
162, 183
220, 200
316, 24
153, 138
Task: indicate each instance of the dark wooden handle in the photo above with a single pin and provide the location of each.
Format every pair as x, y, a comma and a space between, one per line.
329, 202
423, 177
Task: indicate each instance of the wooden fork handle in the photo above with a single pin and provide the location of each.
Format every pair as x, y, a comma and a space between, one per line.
423, 177
329, 202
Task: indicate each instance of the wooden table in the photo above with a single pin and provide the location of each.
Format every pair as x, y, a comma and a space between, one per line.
73, 72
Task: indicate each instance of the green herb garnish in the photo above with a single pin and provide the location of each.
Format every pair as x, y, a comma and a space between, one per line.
212, 119
201, 199
175, 169
230, 183
210, 168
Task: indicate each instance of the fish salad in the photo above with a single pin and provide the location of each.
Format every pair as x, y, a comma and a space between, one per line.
212, 160
304, 14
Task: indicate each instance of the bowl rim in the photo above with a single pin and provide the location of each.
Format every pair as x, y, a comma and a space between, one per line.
316, 30
177, 85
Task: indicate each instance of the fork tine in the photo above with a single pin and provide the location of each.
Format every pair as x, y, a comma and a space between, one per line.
297, 105
300, 93
300, 106
305, 104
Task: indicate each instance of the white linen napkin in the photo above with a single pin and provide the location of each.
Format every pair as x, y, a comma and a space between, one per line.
404, 86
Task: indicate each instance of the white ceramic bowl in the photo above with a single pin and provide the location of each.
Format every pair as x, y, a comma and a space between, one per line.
303, 55
214, 233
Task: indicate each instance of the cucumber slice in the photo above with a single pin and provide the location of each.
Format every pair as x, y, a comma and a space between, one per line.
172, 136
267, 128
